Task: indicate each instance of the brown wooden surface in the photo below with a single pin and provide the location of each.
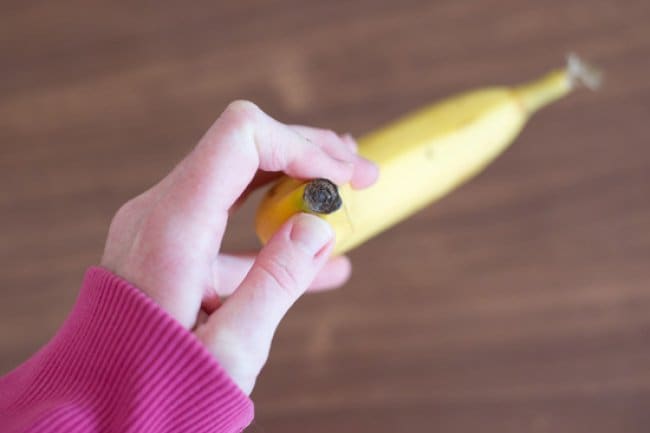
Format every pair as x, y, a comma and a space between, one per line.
521, 303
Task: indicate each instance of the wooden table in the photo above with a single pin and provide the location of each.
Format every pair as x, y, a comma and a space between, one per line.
521, 303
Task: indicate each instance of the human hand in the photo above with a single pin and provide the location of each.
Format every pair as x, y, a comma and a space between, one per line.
167, 241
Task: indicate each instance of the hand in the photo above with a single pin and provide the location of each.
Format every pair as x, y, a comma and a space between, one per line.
167, 240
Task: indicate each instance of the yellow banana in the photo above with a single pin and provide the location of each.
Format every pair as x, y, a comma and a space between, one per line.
421, 157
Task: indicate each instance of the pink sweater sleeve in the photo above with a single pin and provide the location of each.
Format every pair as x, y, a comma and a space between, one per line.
121, 364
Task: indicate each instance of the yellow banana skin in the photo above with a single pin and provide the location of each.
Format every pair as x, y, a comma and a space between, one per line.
425, 155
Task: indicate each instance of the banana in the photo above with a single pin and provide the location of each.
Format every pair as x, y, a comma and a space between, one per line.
421, 157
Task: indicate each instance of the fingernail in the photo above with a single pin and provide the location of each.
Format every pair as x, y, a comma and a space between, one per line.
311, 232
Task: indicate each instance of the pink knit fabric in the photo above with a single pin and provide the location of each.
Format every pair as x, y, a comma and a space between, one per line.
121, 364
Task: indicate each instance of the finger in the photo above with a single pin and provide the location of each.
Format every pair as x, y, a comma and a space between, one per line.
282, 271
242, 141
343, 147
368, 174
232, 269
329, 140
365, 173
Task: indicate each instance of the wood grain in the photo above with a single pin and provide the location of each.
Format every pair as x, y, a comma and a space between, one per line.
519, 303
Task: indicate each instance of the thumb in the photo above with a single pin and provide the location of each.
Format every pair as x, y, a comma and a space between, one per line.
239, 333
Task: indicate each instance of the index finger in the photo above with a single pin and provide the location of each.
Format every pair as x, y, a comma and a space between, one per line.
243, 140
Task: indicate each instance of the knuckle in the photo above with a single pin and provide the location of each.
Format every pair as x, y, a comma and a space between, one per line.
127, 214
282, 276
242, 111
241, 118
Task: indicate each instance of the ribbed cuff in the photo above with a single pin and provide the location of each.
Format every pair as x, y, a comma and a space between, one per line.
125, 365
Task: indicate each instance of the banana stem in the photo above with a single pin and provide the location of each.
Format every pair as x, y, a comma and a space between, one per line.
321, 196
558, 83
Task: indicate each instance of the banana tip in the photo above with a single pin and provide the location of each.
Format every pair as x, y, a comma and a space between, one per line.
581, 73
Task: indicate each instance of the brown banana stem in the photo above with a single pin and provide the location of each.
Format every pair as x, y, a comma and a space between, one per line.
322, 196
